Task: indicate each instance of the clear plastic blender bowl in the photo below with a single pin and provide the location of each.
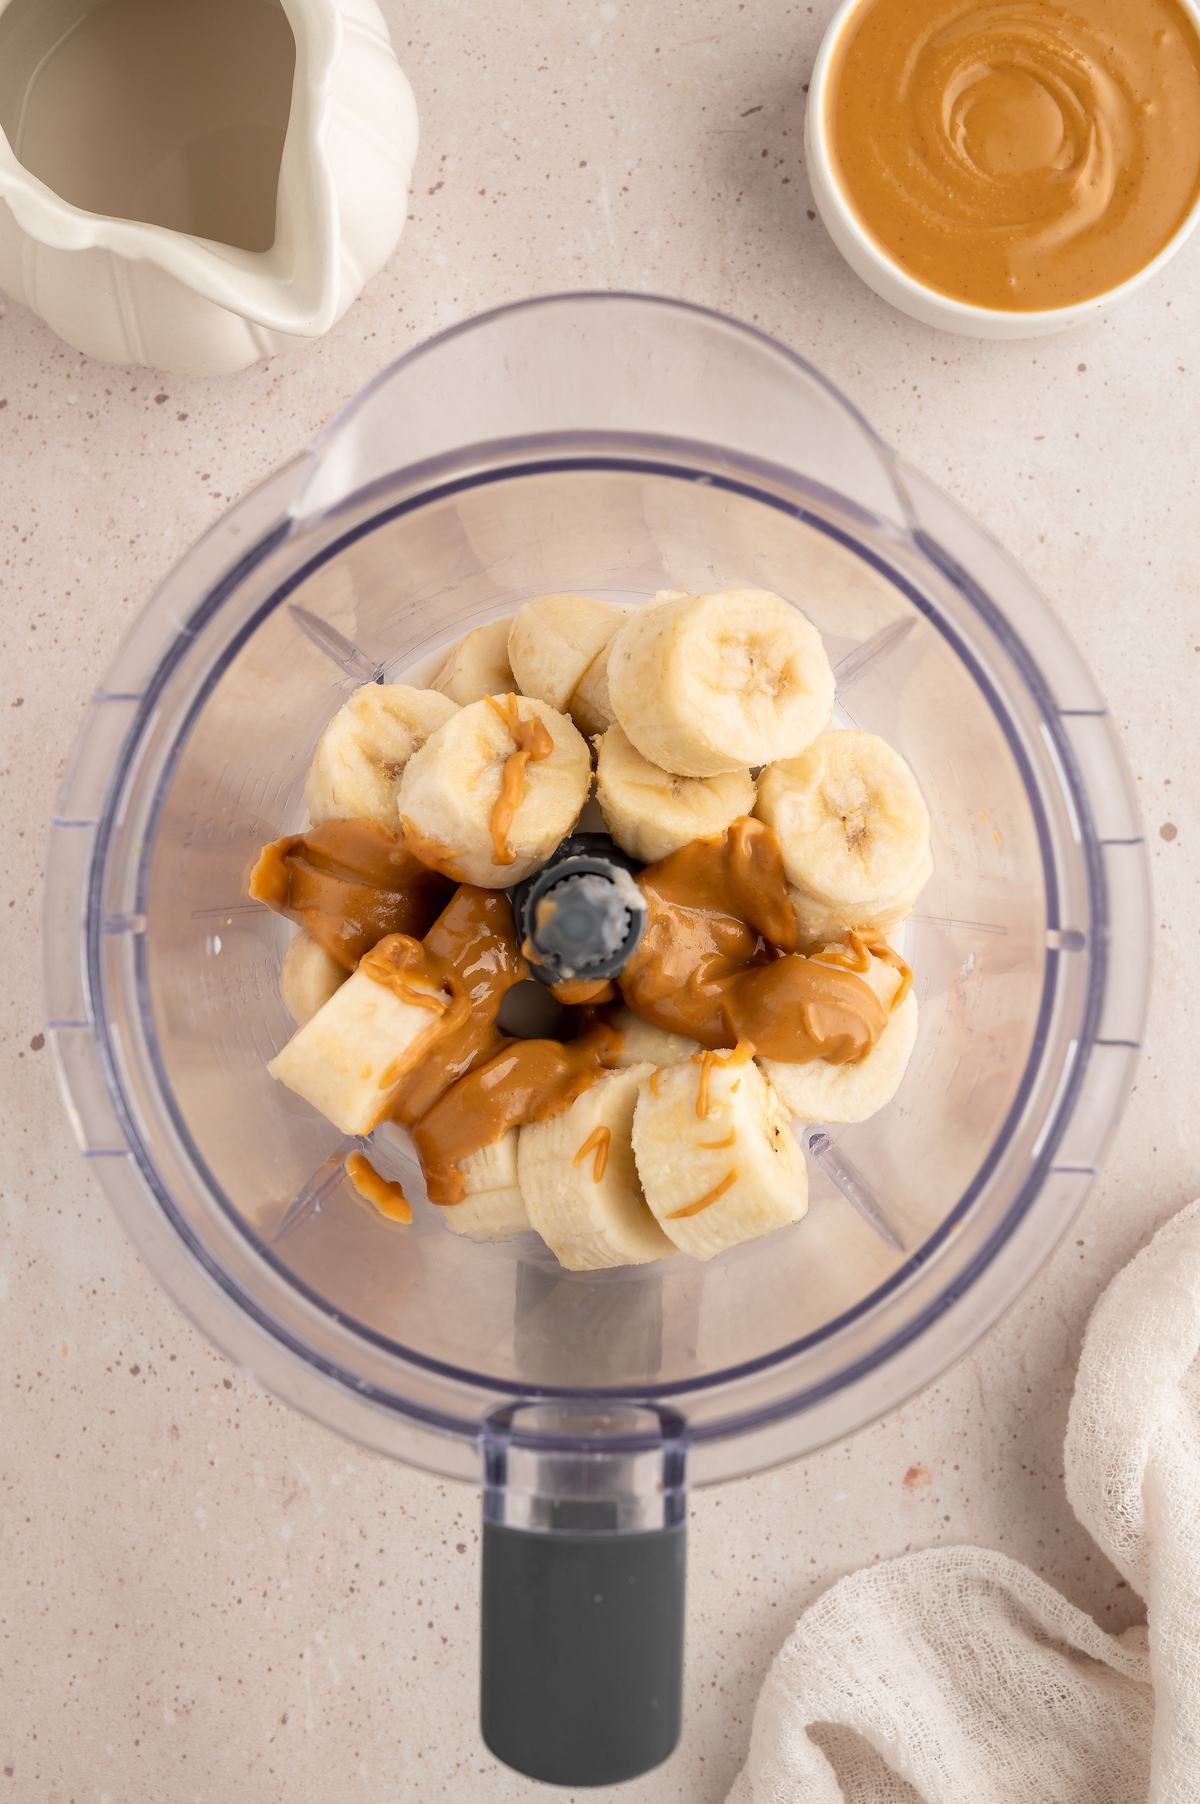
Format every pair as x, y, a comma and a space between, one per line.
616, 445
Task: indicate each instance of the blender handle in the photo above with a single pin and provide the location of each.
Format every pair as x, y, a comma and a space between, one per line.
583, 1590
582, 1658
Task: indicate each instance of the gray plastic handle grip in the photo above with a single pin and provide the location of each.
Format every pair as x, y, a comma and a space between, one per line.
582, 1671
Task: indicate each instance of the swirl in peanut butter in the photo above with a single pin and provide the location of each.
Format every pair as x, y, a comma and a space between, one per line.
1018, 154
385, 1196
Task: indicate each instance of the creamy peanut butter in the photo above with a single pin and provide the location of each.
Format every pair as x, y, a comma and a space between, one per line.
1018, 154
427, 850
348, 884
575, 992
470, 953
717, 959
529, 1080
531, 742
717, 962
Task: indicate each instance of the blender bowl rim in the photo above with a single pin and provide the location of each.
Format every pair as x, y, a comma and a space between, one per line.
797, 1400
587, 298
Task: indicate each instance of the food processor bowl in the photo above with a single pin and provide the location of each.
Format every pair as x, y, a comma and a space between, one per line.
618, 445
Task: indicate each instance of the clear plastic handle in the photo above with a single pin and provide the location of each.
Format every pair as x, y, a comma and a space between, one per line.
579, 374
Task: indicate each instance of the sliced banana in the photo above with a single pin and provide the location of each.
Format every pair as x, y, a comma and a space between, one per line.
356, 767
716, 683
716, 1155
307, 978
852, 824
351, 1058
451, 791
492, 1207
478, 665
591, 705
580, 1183
553, 642
819, 921
644, 1043
815, 1090
650, 813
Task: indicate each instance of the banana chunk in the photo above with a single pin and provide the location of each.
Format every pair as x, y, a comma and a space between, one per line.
651, 813
478, 665
351, 1058
493, 1207
815, 1090
453, 789
580, 1182
308, 977
644, 1043
819, 921
716, 1155
355, 771
590, 706
852, 824
712, 684
553, 642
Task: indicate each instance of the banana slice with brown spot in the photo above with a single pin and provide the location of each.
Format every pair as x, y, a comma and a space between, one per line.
853, 829
356, 768
717, 683
651, 813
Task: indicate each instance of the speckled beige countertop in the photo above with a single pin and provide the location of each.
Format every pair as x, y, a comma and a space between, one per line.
203, 1596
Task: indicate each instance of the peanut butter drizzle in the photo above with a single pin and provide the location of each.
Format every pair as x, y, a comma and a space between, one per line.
528, 1080
348, 884
718, 1146
706, 1065
470, 955
718, 959
380, 1192
575, 992
435, 854
857, 953
597, 1142
532, 742
742, 1053
709, 1197
400, 963
888, 954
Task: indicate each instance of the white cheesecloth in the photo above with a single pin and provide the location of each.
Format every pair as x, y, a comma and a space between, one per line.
956, 1676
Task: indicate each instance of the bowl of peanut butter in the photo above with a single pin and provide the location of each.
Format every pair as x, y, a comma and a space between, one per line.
1005, 170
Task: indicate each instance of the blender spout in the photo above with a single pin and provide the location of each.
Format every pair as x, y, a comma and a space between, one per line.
584, 378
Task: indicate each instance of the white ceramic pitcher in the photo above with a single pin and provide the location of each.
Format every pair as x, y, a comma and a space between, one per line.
197, 184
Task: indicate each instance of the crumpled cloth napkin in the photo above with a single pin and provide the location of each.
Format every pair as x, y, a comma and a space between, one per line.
956, 1676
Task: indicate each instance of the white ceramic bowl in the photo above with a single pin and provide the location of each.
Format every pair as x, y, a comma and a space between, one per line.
879, 271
